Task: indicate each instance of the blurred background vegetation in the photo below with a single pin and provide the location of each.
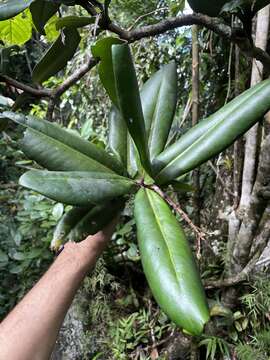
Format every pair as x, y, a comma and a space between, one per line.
120, 319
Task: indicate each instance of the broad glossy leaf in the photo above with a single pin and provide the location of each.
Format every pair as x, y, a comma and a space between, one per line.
168, 263
212, 136
78, 223
54, 155
79, 188
18, 30
102, 50
117, 136
74, 21
128, 96
57, 149
11, 8
42, 11
170, 153
50, 29
158, 97
56, 58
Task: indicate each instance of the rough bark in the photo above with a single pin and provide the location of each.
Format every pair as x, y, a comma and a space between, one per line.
195, 116
247, 217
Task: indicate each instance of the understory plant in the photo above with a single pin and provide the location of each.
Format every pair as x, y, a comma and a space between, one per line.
140, 161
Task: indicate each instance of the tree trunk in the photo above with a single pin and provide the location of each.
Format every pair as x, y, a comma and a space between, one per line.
195, 116
244, 223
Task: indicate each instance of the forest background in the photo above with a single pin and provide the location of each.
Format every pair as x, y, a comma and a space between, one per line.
114, 314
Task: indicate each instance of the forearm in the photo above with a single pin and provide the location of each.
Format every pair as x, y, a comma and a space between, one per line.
31, 329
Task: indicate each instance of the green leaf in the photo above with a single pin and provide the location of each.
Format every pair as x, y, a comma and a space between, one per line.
158, 97
182, 187
58, 149
77, 188
168, 263
56, 58
74, 21
3, 256
117, 136
17, 30
207, 7
50, 29
103, 50
11, 8
213, 135
66, 224
128, 96
42, 11
78, 223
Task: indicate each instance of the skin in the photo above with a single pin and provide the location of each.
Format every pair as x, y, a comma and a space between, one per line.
31, 329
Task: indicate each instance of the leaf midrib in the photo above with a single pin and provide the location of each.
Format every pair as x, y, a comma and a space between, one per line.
164, 237
69, 148
204, 135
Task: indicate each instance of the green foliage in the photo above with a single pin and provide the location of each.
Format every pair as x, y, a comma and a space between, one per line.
166, 256
87, 187
17, 30
57, 56
77, 188
78, 222
139, 328
41, 12
257, 303
102, 50
11, 8
129, 102
215, 346
257, 348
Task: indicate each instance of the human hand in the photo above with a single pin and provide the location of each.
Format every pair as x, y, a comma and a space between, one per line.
86, 252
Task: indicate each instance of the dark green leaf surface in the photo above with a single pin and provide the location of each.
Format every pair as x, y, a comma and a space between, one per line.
174, 150
158, 97
42, 11
74, 21
103, 50
10, 8
117, 136
78, 223
56, 58
72, 146
168, 263
77, 188
66, 224
129, 99
54, 155
202, 142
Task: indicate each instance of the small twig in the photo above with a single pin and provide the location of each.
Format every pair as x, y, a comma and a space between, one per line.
76, 76
229, 75
199, 233
29, 89
145, 15
229, 68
